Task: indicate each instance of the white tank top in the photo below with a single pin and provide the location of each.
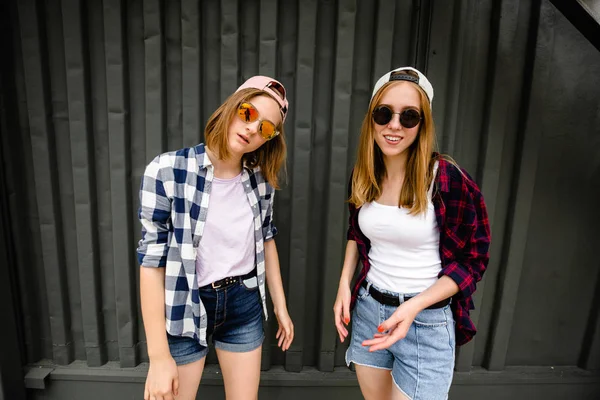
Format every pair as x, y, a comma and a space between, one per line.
404, 254
227, 244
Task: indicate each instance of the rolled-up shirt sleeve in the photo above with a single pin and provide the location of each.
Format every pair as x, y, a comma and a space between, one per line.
155, 216
468, 241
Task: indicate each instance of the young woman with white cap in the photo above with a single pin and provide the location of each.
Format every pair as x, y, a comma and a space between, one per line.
207, 247
419, 225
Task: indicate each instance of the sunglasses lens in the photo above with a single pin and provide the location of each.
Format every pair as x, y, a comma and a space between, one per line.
267, 130
410, 118
382, 115
247, 112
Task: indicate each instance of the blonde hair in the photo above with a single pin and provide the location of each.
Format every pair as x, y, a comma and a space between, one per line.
269, 157
369, 169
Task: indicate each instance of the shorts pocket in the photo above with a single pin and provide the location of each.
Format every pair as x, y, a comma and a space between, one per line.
431, 318
362, 293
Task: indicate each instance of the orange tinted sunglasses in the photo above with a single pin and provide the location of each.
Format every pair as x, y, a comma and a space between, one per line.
248, 113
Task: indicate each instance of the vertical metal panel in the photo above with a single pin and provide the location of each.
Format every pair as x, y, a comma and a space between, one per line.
229, 47
362, 84
322, 108
406, 25
120, 170
249, 33
211, 43
98, 103
22, 200
191, 56
284, 65
506, 98
155, 77
11, 360
590, 351
13, 355
561, 268
421, 27
268, 37
519, 220
267, 16
442, 65
384, 38
82, 157
473, 90
43, 149
136, 74
336, 193
173, 76
302, 146
57, 81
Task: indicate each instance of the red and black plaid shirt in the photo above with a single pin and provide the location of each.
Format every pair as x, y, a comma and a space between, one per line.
464, 241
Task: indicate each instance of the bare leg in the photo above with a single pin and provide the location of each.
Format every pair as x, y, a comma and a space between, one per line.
375, 383
189, 379
241, 373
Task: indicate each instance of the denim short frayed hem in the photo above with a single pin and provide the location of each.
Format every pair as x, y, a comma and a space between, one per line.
185, 350
183, 360
351, 359
400, 389
239, 347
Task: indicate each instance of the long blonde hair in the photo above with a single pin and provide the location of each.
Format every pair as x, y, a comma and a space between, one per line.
269, 157
370, 170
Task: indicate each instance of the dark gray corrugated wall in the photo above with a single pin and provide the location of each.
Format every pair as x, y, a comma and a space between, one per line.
93, 90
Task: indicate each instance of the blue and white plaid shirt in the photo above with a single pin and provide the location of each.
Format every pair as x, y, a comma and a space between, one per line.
174, 200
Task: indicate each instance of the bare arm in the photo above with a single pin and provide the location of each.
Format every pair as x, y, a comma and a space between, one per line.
273, 272
341, 308
350, 262
442, 289
152, 296
285, 333
162, 381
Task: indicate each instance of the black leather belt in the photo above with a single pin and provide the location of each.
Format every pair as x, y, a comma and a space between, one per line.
394, 301
230, 280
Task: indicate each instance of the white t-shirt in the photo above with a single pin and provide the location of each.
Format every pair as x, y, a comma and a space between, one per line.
404, 254
227, 244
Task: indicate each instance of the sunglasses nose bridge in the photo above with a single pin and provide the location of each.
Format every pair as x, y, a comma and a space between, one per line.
253, 127
394, 122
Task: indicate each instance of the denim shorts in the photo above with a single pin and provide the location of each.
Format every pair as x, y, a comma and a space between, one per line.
235, 316
422, 363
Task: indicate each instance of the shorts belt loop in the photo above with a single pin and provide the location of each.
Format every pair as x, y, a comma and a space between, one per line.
368, 286
400, 298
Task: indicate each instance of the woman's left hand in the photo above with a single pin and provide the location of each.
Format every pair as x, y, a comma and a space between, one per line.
394, 328
285, 333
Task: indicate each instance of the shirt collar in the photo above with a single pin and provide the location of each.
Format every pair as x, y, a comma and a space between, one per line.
201, 156
204, 161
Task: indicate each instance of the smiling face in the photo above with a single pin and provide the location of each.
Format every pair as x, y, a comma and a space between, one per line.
392, 138
245, 137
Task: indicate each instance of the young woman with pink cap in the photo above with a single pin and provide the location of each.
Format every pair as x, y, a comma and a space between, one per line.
207, 247
419, 225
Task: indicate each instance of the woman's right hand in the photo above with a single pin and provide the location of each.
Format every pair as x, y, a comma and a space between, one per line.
162, 382
341, 310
